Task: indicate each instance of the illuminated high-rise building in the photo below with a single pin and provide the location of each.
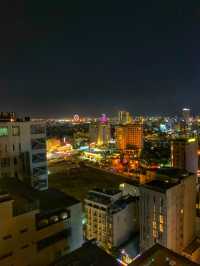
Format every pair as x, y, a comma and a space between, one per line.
124, 117
131, 134
104, 134
120, 133
184, 154
23, 150
186, 115
100, 132
167, 210
93, 132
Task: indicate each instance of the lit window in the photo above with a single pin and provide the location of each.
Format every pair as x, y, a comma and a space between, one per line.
161, 228
154, 225
3, 131
161, 219
154, 233
15, 130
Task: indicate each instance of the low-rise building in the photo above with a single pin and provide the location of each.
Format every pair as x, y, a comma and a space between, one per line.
111, 217
36, 226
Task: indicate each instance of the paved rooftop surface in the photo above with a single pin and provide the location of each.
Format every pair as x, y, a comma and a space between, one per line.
160, 256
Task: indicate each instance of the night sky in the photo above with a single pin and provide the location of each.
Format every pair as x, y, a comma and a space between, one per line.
58, 57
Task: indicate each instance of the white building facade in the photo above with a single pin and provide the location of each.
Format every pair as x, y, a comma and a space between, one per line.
23, 151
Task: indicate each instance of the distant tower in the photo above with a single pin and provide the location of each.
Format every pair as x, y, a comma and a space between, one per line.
104, 131
124, 117
186, 115
100, 132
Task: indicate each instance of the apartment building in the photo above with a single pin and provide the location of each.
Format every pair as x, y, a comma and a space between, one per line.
111, 217
37, 227
167, 210
23, 150
184, 154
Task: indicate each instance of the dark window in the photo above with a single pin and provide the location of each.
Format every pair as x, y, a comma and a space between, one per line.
38, 171
7, 237
25, 246
38, 144
39, 184
24, 230
39, 157
6, 255
5, 162
16, 131
37, 129
44, 243
13, 147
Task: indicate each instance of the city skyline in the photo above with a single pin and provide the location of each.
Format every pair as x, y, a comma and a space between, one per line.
67, 58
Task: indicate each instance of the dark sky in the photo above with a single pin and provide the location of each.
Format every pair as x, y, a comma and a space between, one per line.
59, 57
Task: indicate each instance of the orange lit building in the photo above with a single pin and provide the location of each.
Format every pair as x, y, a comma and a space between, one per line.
53, 144
131, 134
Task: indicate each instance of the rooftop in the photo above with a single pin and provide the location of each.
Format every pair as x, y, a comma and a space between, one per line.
132, 182
26, 198
88, 255
184, 140
115, 205
103, 195
193, 246
172, 173
160, 185
166, 178
161, 256
99, 198
122, 203
11, 117
107, 191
